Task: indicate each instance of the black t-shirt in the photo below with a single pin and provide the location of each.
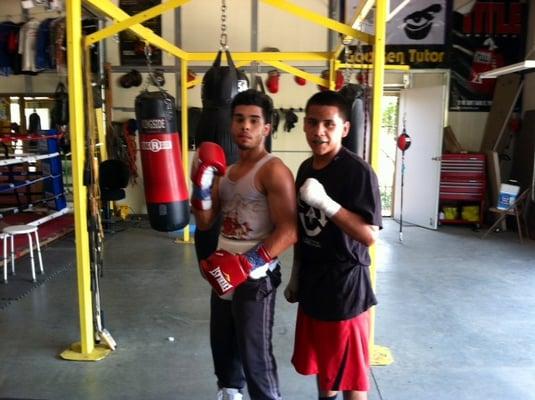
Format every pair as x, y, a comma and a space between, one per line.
334, 278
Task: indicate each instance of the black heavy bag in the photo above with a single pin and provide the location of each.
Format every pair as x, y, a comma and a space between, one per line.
166, 192
355, 139
220, 83
219, 86
60, 111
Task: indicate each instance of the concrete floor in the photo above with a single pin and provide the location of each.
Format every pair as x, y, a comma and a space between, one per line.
457, 313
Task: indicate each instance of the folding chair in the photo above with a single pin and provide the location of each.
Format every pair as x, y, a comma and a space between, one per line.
516, 209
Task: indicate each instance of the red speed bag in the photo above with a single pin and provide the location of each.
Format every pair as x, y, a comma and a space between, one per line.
166, 192
404, 141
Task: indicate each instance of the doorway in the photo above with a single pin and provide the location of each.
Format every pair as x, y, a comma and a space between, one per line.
422, 107
387, 144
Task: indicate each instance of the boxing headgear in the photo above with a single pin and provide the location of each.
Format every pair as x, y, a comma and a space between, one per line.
290, 120
132, 78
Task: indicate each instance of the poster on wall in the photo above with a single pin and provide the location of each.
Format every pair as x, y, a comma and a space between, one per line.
485, 35
416, 34
131, 47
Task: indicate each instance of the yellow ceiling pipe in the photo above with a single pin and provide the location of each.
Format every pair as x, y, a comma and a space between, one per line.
320, 20
265, 56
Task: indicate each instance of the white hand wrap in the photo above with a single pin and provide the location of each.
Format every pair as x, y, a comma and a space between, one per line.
313, 193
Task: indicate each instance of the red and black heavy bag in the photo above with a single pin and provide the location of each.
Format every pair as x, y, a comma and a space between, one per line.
166, 192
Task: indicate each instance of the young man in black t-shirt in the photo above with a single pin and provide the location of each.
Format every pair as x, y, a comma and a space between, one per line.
339, 210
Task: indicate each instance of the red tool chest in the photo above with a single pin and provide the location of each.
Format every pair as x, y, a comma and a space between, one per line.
463, 185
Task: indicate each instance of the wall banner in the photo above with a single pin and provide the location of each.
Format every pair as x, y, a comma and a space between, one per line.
415, 36
485, 35
131, 47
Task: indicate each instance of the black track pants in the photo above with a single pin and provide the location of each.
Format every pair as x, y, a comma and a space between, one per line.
241, 338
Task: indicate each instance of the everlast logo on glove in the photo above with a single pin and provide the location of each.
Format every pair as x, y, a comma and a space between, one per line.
221, 279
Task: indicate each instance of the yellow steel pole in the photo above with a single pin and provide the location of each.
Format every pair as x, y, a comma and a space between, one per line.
380, 355
85, 350
184, 111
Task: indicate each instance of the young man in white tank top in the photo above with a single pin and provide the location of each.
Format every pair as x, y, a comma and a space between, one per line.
256, 200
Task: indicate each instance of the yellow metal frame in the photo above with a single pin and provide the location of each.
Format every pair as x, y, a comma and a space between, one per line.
86, 350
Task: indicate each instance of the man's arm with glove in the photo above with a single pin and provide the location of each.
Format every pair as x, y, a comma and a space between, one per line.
209, 161
313, 193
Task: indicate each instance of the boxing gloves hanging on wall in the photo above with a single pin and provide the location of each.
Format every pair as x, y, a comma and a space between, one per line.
159, 143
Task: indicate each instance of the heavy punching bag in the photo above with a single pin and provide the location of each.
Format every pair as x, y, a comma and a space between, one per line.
219, 86
166, 192
355, 140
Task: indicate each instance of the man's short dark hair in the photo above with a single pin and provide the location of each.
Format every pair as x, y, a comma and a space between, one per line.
253, 97
330, 98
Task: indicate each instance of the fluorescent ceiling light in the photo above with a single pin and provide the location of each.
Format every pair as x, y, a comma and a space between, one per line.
521, 66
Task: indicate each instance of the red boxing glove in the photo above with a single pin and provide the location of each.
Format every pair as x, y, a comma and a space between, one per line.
272, 82
209, 161
225, 272
300, 81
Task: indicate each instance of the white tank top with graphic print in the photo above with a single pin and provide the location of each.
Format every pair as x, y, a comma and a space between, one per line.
244, 209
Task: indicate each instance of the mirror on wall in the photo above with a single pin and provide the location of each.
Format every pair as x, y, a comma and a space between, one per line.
21, 114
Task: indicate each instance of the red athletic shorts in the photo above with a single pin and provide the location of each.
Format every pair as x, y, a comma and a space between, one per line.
336, 351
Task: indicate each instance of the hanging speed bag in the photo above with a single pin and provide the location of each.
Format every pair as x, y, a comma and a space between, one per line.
166, 192
404, 141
